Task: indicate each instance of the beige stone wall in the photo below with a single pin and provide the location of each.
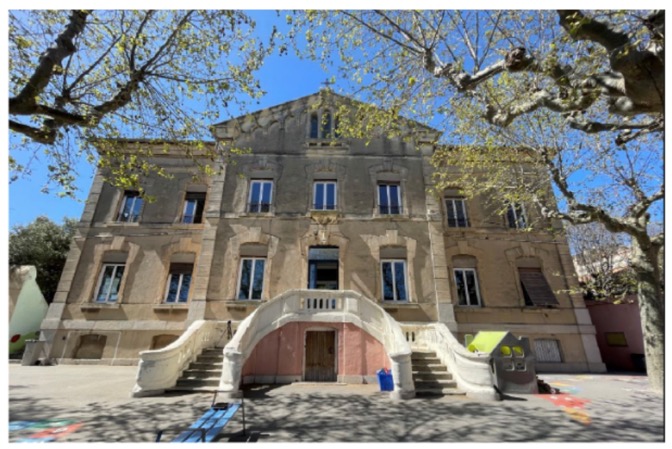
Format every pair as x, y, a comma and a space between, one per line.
279, 151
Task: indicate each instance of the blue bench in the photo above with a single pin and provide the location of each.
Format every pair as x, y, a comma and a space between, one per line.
208, 426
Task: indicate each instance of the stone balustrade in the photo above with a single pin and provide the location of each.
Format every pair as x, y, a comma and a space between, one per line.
471, 371
319, 306
159, 369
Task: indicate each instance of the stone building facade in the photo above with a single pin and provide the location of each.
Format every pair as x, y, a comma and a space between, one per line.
305, 209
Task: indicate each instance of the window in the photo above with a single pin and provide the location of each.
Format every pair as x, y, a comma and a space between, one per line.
616, 339
394, 280
547, 350
515, 215
251, 278
467, 287
326, 125
323, 126
130, 207
260, 196
324, 195
179, 281
389, 199
457, 213
109, 283
536, 290
194, 202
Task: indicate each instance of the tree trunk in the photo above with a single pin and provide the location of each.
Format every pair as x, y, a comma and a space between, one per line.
651, 311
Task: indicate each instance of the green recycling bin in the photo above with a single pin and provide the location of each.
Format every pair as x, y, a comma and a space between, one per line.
512, 364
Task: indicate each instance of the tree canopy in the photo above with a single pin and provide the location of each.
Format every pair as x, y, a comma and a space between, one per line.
560, 110
78, 77
45, 245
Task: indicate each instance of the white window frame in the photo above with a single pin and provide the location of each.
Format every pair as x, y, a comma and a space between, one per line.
324, 195
127, 196
451, 202
513, 206
251, 286
100, 282
395, 294
261, 193
387, 185
466, 290
179, 287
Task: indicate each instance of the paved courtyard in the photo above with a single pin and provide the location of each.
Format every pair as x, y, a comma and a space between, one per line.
93, 404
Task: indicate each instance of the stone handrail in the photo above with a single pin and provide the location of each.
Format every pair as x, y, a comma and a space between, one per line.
159, 369
320, 306
470, 370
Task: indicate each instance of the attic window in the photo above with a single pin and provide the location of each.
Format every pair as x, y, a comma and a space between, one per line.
323, 125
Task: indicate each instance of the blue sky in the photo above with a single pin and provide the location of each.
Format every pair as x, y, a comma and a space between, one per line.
283, 78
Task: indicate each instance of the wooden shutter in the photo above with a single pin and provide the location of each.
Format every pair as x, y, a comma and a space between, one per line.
537, 287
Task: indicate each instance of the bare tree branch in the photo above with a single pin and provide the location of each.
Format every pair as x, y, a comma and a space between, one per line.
25, 101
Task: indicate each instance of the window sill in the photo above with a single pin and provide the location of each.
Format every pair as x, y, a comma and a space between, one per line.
243, 304
313, 143
466, 308
122, 224
392, 306
257, 214
100, 306
167, 307
533, 309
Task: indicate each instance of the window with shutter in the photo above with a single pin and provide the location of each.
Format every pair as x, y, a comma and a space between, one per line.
536, 290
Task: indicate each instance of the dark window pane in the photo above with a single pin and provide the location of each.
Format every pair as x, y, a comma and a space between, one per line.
319, 195
313, 126
383, 199
266, 194
511, 217
394, 199
388, 284
137, 206
326, 125
461, 214
400, 280
105, 284
172, 287
184, 290
450, 209
471, 287
461, 290
255, 196
245, 274
331, 196
258, 279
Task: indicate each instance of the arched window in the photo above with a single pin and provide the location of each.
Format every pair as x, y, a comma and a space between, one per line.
314, 121
326, 125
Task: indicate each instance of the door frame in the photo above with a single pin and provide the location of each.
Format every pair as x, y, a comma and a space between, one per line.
305, 346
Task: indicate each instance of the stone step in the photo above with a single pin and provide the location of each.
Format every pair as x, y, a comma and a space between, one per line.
429, 376
206, 365
425, 384
427, 368
211, 382
193, 389
201, 374
423, 355
210, 358
429, 392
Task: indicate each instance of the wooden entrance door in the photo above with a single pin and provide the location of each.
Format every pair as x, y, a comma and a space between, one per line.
320, 356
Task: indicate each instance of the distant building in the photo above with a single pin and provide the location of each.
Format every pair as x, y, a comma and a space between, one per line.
314, 257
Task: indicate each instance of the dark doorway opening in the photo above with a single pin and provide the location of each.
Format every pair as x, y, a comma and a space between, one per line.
323, 268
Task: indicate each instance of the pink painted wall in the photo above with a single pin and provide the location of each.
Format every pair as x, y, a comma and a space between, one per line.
281, 352
624, 318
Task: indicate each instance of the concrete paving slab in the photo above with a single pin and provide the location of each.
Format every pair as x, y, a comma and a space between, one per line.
93, 403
